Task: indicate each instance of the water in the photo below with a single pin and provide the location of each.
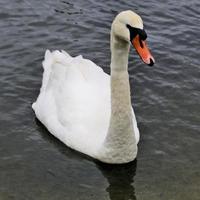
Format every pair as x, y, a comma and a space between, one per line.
35, 165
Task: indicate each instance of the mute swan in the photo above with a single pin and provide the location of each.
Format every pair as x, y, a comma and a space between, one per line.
87, 109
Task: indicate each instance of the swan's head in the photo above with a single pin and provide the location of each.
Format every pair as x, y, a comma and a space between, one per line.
128, 26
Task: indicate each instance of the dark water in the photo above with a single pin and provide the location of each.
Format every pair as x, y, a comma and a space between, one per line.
35, 165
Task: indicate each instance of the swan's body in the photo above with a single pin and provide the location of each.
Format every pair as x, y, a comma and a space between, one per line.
87, 109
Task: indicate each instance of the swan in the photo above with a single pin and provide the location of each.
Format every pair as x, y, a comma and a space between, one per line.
87, 109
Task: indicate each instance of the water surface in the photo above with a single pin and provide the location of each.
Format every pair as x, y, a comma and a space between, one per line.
35, 165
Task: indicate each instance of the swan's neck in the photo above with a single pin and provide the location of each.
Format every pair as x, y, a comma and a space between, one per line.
119, 54
120, 143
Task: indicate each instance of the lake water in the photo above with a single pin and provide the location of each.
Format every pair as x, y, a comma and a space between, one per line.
35, 165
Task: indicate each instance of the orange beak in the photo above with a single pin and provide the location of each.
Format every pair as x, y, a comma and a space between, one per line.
143, 51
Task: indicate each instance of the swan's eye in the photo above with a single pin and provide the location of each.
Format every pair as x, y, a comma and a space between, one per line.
132, 31
136, 31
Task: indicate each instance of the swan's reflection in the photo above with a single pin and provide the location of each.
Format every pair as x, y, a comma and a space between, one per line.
120, 179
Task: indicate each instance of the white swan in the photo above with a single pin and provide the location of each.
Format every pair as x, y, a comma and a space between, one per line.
87, 109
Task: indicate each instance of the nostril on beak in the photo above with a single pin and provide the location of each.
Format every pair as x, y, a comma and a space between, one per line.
151, 62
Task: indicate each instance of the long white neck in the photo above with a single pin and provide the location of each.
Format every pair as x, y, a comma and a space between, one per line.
120, 144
